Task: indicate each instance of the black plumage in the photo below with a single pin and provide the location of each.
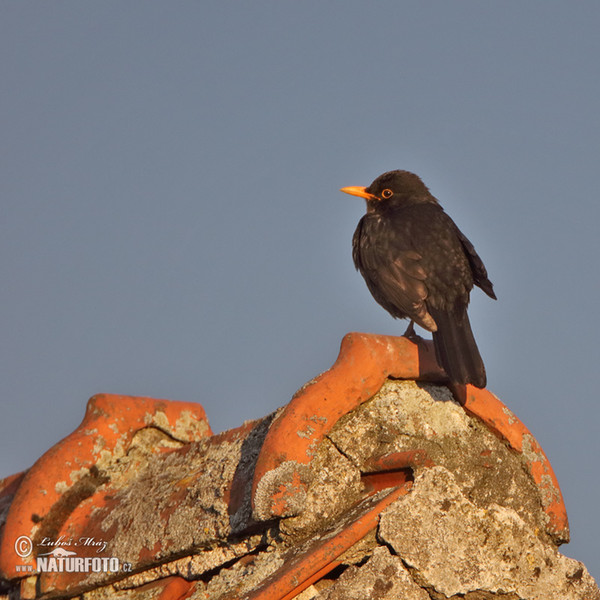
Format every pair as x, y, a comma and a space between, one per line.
419, 265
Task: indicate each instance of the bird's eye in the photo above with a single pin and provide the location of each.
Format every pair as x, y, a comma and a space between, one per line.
387, 194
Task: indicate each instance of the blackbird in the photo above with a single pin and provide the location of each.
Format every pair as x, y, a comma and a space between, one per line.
418, 265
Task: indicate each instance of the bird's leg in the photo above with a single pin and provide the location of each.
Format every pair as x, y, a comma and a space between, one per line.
410, 332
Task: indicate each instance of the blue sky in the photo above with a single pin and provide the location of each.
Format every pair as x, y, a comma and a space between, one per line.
171, 223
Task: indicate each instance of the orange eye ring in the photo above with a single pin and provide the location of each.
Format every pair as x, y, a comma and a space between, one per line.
387, 193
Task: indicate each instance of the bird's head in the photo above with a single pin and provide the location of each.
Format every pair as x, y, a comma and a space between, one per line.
393, 188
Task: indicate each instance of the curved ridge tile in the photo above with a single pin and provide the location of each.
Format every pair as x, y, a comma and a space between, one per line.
364, 362
72, 465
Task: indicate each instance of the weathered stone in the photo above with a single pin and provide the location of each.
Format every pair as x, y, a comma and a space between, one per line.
289, 481
146, 520
334, 487
382, 577
240, 578
201, 499
454, 547
405, 415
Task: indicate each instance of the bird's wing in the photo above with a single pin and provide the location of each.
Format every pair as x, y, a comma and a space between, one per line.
480, 276
405, 282
395, 276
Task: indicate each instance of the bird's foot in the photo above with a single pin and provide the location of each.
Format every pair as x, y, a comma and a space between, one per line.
411, 334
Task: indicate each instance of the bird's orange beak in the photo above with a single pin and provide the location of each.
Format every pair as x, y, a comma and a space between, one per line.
356, 190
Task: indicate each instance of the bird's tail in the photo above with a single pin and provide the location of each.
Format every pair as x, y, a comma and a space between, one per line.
455, 348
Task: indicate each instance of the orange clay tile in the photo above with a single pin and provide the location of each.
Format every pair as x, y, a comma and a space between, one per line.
363, 364
104, 435
176, 588
9, 485
86, 521
304, 568
393, 470
8, 488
